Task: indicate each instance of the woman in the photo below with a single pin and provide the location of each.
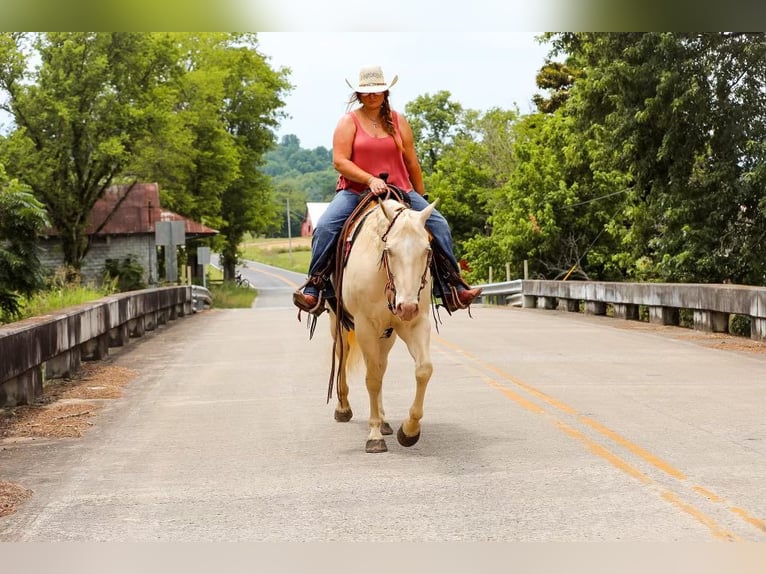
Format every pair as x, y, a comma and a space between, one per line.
368, 141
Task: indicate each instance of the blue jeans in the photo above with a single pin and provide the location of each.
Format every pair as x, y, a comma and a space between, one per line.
329, 226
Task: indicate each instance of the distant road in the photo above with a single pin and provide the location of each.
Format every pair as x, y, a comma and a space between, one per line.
275, 286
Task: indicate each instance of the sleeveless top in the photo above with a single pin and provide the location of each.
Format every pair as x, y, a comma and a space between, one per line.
375, 156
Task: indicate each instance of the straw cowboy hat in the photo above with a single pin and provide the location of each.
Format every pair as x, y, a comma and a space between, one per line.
371, 79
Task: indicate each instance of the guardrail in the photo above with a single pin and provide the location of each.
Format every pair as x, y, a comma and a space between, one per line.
711, 305
201, 298
54, 345
505, 293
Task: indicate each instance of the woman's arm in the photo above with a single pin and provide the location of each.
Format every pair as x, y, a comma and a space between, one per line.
410, 156
342, 145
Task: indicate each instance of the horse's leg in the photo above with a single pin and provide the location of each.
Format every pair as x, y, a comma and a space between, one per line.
375, 350
343, 412
418, 342
385, 428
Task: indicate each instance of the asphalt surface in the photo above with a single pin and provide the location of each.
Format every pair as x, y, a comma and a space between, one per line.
539, 426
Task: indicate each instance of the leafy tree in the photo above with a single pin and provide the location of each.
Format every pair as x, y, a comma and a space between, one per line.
557, 79
79, 116
228, 101
22, 221
467, 174
435, 121
683, 115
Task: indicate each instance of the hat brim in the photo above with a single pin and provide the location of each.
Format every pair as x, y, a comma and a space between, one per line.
373, 89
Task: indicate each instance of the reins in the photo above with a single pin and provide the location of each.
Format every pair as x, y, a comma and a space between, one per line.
392, 192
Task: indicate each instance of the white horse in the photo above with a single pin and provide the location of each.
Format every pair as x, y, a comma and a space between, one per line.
386, 288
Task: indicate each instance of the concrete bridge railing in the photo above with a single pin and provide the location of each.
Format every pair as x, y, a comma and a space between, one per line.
52, 346
712, 305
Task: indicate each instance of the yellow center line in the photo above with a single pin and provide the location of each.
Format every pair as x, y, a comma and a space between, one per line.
634, 448
605, 453
717, 531
759, 524
704, 492
602, 451
275, 276
529, 405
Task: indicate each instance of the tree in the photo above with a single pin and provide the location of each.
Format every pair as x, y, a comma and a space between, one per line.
683, 115
22, 221
80, 115
194, 112
557, 79
435, 121
228, 101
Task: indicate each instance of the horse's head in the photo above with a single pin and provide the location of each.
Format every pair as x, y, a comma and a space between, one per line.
406, 258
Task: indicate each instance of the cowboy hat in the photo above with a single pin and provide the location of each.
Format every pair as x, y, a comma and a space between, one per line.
371, 79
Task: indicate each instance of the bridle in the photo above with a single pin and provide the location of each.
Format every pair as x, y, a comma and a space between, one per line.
390, 288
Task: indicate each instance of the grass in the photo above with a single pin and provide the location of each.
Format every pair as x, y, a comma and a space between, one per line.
46, 302
293, 255
230, 296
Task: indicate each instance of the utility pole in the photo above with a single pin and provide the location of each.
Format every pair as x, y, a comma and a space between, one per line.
289, 233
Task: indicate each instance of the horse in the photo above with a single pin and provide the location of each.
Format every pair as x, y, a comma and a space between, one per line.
386, 292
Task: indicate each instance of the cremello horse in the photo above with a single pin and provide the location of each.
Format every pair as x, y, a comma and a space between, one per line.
386, 288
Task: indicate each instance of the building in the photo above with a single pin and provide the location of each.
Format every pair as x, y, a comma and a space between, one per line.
121, 225
313, 212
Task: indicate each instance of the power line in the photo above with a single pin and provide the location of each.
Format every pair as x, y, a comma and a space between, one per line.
597, 198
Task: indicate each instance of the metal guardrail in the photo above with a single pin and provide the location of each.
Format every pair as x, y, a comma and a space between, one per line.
201, 298
505, 293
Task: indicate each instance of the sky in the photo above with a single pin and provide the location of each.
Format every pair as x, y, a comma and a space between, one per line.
481, 70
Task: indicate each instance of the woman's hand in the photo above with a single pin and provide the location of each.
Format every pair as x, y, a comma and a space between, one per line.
377, 186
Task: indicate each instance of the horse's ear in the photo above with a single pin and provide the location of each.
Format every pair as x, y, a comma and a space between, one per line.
426, 213
387, 211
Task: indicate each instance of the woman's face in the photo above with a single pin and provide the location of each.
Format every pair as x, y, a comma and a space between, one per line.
372, 101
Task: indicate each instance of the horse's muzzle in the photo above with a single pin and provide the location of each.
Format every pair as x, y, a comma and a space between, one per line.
406, 311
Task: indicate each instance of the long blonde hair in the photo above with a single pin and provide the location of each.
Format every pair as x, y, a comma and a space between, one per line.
388, 118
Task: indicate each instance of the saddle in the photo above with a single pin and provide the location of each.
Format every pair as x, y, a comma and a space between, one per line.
329, 280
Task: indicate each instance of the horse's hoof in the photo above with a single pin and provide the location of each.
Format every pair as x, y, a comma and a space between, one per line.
343, 416
376, 445
385, 428
405, 440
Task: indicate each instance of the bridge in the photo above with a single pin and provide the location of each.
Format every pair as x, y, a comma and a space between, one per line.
540, 425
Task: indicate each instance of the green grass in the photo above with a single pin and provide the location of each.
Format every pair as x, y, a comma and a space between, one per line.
277, 253
45, 302
230, 296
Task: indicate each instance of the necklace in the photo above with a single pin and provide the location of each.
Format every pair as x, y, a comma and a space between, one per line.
374, 121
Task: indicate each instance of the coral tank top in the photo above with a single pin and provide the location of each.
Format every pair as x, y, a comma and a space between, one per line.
375, 156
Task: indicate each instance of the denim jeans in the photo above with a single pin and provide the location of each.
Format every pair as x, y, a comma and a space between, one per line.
329, 226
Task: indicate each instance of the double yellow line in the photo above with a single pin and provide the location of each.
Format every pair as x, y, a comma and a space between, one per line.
481, 368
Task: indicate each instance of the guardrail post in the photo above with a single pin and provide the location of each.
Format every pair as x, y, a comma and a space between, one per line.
626, 311
758, 329
22, 389
663, 315
595, 308
570, 305
711, 321
546, 302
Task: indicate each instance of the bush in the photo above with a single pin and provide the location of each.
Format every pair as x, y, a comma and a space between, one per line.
127, 273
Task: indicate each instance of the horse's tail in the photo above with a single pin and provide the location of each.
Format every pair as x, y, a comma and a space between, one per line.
347, 360
354, 358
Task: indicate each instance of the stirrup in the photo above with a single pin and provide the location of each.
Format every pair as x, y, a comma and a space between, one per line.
451, 301
300, 302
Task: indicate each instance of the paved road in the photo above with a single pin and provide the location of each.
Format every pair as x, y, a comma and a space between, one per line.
539, 426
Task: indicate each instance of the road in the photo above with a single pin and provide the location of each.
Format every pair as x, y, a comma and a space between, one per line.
538, 426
